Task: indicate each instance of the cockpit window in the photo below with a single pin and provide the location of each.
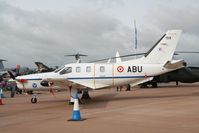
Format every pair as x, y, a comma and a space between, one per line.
58, 69
66, 70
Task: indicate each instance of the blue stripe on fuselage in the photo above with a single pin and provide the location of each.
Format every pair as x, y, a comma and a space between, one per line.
118, 77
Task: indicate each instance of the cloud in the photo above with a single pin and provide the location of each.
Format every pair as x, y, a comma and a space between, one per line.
30, 36
164, 17
91, 27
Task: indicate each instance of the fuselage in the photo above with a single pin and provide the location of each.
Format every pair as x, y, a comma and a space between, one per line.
93, 75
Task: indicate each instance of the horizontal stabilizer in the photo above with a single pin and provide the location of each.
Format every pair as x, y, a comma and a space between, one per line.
175, 64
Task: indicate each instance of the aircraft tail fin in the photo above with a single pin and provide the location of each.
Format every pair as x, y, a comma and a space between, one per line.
42, 68
1, 64
164, 49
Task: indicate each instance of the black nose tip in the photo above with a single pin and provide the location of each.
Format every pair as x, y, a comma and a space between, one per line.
45, 83
184, 64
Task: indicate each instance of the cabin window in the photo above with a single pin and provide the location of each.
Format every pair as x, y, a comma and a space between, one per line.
88, 69
78, 69
66, 70
102, 69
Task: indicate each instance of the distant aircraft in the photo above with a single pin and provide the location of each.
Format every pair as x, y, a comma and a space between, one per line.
85, 76
188, 74
184, 75
41, 68
77, 56
3, 71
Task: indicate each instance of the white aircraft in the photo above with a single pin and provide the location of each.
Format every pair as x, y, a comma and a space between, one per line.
84, 76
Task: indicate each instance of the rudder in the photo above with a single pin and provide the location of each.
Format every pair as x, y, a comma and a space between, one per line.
164, 49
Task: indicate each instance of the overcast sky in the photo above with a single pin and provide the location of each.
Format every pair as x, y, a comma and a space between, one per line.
46, 30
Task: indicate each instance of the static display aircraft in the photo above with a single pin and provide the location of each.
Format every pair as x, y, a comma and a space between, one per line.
183, 75
84, 76
41, 68
3, 71
77, 56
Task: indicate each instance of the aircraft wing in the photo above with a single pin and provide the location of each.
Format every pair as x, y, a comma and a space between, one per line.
80, 84
89, 84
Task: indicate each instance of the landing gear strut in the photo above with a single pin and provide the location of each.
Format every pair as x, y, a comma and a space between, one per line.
73, 92
154, 84
34, 98
128, 87
85, 95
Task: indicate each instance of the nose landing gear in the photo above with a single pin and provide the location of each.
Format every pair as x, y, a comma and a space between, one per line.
34, 98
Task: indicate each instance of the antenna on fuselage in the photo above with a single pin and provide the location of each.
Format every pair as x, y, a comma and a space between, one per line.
135, 38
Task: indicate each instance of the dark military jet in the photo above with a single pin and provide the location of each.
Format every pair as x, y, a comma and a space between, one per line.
184, 75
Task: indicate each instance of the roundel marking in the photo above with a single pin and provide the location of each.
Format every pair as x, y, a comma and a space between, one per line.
34, 85
120, 69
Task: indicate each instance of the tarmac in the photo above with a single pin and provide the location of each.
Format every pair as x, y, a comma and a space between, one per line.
167, 109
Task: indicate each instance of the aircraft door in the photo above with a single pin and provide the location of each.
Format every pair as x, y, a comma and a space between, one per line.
103, 74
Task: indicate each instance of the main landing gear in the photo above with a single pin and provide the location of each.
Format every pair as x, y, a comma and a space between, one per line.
74, 91
85, 95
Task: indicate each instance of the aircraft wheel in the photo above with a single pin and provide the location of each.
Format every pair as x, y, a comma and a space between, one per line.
128, 87
33, 100
20, 91
154, 84
85, 95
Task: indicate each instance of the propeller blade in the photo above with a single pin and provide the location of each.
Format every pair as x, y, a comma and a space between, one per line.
188, 52
123, 56
11, 75
76, 55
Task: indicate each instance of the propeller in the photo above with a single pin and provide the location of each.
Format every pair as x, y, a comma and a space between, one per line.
186, 52
22, 81
11, 75
77, 56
